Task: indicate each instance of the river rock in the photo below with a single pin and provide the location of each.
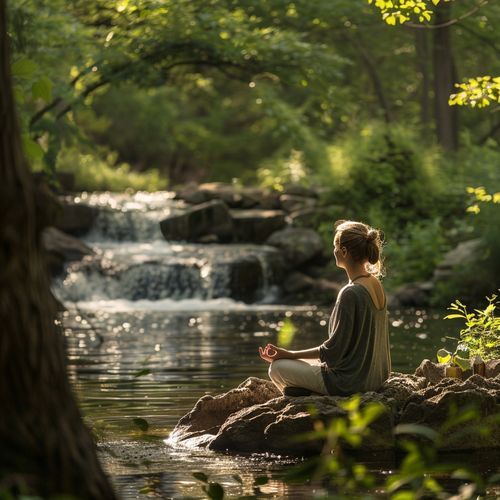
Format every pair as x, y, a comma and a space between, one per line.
62, 248
248, 276
255, 417
298, 288
211, 218
232, 196
297, 244
294, 203
76, 218
463, 254
299, 190
412, 295
255, 226
435, 405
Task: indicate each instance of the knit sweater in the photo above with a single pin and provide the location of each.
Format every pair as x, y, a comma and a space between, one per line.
356, 357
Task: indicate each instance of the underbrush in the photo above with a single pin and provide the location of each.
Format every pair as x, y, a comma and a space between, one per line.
95, 173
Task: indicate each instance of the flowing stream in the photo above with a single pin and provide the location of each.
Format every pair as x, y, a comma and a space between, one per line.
152, 326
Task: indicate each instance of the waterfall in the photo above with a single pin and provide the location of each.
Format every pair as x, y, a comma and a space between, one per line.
134, 264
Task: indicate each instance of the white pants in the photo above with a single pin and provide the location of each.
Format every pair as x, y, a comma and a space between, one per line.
297, 373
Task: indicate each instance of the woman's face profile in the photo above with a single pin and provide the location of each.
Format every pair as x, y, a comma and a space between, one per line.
337, 252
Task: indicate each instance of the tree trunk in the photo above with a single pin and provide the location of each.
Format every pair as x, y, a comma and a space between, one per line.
45, 447
371, 68
422, 53
444, 77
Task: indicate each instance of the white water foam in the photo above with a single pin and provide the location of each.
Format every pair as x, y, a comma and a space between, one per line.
185, 305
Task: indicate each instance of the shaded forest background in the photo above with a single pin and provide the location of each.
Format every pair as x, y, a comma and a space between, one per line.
143, 94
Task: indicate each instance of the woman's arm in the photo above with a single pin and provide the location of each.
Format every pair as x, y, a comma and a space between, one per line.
272, 353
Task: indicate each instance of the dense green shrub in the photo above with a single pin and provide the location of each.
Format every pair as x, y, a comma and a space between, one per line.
415, 255
93, 173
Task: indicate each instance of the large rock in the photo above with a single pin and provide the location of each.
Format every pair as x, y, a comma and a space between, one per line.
412, 295
250, 275
76, 218
211, 218
294, 203
233, 196
464, 253
255, 417
297, 244
62, 248
299, 288
255, 226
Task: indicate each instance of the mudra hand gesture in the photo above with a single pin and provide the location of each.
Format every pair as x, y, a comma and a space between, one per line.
271, 353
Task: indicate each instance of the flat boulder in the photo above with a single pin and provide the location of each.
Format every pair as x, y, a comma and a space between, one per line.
255, 226
298, 245
199, 221
255, 417
61, 248
76, 218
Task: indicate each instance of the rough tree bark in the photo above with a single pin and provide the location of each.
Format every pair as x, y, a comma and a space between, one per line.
423, 67
445, 76
45, 447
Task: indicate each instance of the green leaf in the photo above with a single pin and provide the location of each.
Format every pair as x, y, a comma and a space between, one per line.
463, 363
462, 350
141, 423
286, 334
32, 149
19, 94
141, 373
201, 477
215, 491
443, 356
24, 68
418, 430
42, 89
454, 316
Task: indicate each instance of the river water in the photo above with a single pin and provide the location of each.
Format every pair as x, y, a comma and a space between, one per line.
152, 326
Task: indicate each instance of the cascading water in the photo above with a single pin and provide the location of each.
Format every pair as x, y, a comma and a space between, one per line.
134, 266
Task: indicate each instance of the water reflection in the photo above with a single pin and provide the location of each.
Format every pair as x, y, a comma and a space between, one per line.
156, 364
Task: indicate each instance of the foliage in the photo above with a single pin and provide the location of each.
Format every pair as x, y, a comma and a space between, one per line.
422, 472
460, 358
417, 252
394, 11
93, 173
382, 177
482, 328
480, 91
481, 196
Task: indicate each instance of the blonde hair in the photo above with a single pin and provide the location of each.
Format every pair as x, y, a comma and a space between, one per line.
363, 242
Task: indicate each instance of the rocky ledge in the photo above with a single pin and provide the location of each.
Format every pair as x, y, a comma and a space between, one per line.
255, 417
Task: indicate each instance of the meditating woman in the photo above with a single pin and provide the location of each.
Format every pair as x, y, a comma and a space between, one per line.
356, 356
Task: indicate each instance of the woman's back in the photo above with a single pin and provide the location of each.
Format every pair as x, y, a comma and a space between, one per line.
357, 354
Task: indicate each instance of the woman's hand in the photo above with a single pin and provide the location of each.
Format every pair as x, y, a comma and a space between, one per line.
272, 353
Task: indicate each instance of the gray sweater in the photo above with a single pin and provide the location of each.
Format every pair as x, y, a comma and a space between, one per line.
356, 357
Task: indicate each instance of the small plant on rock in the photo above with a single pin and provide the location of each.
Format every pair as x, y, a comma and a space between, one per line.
481, 334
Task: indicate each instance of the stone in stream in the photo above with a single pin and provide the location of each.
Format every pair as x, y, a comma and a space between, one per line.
62, 248
255, 226
255, 417
233, 196
211, 218
76, 218
298, 245
293, 203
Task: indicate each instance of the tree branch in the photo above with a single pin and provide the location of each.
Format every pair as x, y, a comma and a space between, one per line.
451, 22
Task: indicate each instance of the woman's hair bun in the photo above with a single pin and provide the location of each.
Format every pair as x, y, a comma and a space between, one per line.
372, 235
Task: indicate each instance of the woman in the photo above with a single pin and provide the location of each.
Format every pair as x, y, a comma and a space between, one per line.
356, 356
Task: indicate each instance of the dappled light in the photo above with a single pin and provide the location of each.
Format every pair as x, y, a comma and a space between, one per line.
249, 249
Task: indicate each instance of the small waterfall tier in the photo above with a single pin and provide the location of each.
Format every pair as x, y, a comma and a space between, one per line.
133, 262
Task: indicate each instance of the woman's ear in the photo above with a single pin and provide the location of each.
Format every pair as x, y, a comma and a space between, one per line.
344, 251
